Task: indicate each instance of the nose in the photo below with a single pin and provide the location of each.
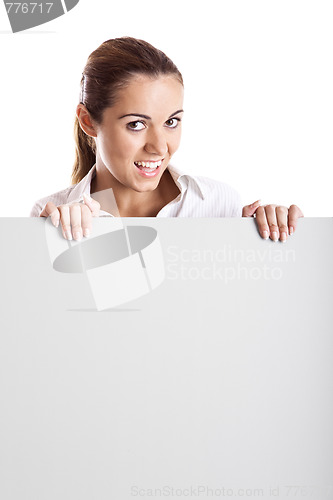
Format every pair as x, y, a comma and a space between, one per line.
156, 143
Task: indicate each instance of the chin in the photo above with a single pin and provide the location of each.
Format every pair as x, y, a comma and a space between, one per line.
147, 189
146, 186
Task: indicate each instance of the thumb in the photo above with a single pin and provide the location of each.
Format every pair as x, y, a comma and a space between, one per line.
250, 210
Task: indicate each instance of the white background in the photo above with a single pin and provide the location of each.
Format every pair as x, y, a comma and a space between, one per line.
258, 94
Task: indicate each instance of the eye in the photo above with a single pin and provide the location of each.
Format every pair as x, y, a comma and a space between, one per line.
134, 125
174, 122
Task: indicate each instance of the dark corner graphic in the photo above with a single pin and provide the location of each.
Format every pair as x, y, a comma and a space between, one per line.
25, 15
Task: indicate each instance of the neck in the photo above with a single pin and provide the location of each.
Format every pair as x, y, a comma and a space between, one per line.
131, 203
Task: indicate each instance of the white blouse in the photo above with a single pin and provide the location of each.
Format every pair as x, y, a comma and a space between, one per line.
198, 197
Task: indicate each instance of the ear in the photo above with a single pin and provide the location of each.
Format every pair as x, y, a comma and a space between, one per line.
85, 120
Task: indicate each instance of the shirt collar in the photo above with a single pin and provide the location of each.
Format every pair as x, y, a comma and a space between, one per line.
82, 187
182, 181
180, 178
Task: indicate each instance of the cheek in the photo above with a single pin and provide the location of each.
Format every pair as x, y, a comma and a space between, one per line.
175, 141
116, 144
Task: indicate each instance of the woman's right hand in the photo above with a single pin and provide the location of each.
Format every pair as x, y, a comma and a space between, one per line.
75, 218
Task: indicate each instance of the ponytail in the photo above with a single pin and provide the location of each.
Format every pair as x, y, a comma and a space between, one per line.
85, 153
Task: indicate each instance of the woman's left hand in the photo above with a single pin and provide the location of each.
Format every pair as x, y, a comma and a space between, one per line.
274, 221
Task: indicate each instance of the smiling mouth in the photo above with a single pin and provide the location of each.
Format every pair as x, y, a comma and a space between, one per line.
148, 166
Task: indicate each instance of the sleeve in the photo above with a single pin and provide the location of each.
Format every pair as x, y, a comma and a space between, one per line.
237, 205
230, 202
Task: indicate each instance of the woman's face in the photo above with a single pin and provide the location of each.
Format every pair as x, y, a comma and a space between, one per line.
141, 132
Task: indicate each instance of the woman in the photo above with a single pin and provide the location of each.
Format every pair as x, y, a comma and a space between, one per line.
128, 126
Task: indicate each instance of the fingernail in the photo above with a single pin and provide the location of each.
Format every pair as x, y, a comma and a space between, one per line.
274, 236
68, 235
291, 230
86, 233
265, 235
283, 237
56, 223
77, 235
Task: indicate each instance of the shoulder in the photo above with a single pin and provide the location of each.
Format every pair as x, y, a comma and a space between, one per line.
205, 185
58, 198
71, 194
222, 199
209, 186
205, 197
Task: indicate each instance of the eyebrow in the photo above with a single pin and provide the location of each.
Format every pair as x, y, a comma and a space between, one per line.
149, 117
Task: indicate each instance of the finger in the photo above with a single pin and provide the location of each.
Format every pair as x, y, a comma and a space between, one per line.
75, 217
92, 204
86, 218
65, 221
51, 210
249, 210
294, 213
282, 222
272, 222
262, 222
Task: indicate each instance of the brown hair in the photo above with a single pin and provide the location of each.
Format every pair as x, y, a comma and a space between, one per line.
109, 68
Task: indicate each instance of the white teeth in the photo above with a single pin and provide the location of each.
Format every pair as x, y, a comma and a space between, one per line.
149, 164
